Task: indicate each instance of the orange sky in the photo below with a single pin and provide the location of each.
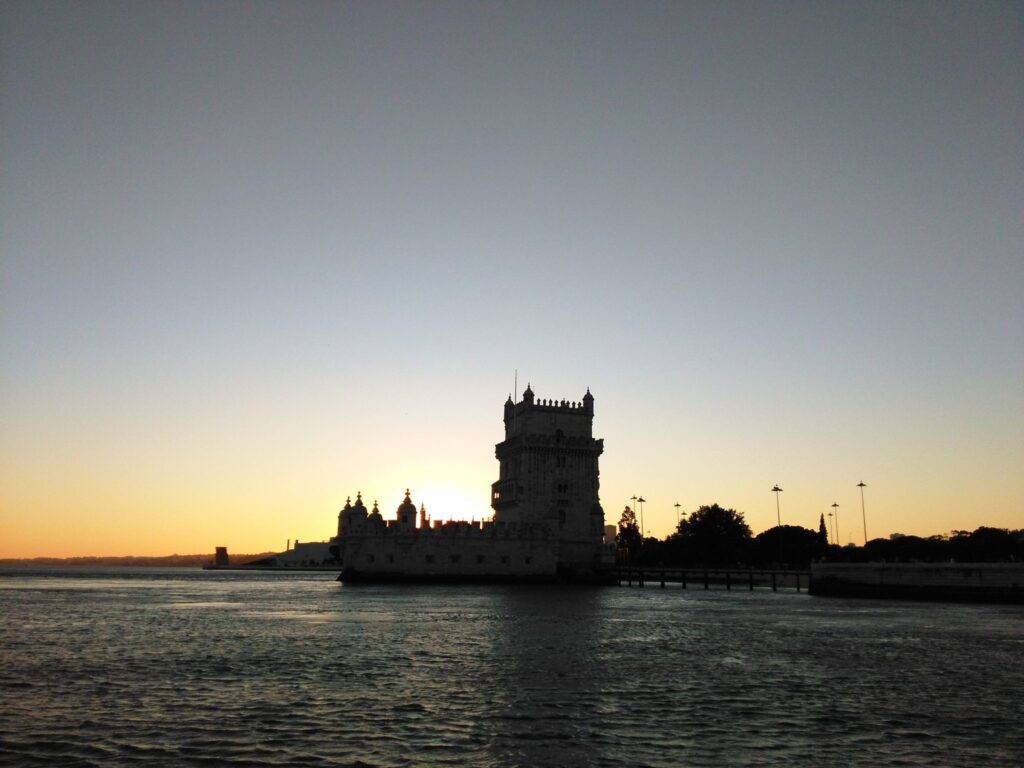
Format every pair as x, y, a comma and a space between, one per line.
151, 493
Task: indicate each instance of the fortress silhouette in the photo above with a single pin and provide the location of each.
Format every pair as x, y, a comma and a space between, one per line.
548, 523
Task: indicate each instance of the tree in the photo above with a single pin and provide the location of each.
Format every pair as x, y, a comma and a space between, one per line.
628, 536
823, 531
786, 546
713, 536
984, 545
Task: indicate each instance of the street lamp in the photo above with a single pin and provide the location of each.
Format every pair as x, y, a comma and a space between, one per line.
778, 516
836, 508
862, 485
830, 526
677, 516
640, 501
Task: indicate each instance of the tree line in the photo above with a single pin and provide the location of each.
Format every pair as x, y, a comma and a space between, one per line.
715, 537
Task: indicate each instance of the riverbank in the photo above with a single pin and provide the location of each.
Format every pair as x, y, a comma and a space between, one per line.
128, 561
954, 582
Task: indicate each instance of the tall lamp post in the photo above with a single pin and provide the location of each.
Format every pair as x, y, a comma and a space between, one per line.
633, 499
778, 515
831, 528
677, 516
640, 501
778, 518
835, 507
862, 485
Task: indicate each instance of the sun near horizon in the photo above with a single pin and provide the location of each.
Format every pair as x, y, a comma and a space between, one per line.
273, 502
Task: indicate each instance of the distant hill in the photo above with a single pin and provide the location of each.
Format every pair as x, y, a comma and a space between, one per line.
176, 561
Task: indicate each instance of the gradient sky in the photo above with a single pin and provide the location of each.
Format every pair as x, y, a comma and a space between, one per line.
255, 257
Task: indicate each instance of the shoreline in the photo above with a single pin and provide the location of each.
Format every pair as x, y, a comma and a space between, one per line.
940, 582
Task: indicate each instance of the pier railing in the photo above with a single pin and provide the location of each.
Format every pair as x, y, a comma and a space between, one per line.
708, 577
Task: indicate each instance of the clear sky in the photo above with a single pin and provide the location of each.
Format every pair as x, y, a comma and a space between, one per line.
255, 257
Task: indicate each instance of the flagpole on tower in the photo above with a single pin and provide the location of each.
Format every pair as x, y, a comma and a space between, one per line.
515, 394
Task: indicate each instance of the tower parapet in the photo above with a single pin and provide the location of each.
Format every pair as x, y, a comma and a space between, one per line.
531, 414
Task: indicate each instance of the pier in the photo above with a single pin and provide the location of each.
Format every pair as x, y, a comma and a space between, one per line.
705, 578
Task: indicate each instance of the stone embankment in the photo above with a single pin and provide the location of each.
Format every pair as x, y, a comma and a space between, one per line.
972, 582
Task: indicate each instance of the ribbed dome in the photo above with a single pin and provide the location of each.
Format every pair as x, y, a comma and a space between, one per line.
406, 507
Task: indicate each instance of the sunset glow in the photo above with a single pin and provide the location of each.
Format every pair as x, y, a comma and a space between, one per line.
256, 258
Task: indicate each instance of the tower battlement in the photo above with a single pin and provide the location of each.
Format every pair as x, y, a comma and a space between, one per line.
546, 416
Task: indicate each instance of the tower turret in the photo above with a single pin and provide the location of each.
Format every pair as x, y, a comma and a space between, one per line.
406, 513
343, 514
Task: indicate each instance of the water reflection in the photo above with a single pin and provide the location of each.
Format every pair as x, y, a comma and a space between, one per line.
547, 675
300, 670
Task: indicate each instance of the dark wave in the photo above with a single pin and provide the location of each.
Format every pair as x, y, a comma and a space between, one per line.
264, 670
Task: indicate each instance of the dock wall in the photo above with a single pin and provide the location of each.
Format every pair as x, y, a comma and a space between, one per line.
970, 582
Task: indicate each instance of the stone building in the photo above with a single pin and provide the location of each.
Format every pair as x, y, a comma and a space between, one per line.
548, 473
547, 520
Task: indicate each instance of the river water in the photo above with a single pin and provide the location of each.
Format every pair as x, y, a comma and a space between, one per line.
157, 667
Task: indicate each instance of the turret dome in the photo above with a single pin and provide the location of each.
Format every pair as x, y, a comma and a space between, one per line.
406, 505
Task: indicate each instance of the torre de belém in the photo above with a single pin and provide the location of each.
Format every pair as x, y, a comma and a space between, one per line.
548, 523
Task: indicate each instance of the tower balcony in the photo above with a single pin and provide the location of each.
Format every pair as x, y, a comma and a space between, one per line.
503, 493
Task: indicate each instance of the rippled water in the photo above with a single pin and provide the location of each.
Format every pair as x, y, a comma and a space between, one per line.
170, 667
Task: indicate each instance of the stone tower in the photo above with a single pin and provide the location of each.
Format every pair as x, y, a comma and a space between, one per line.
548, 475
